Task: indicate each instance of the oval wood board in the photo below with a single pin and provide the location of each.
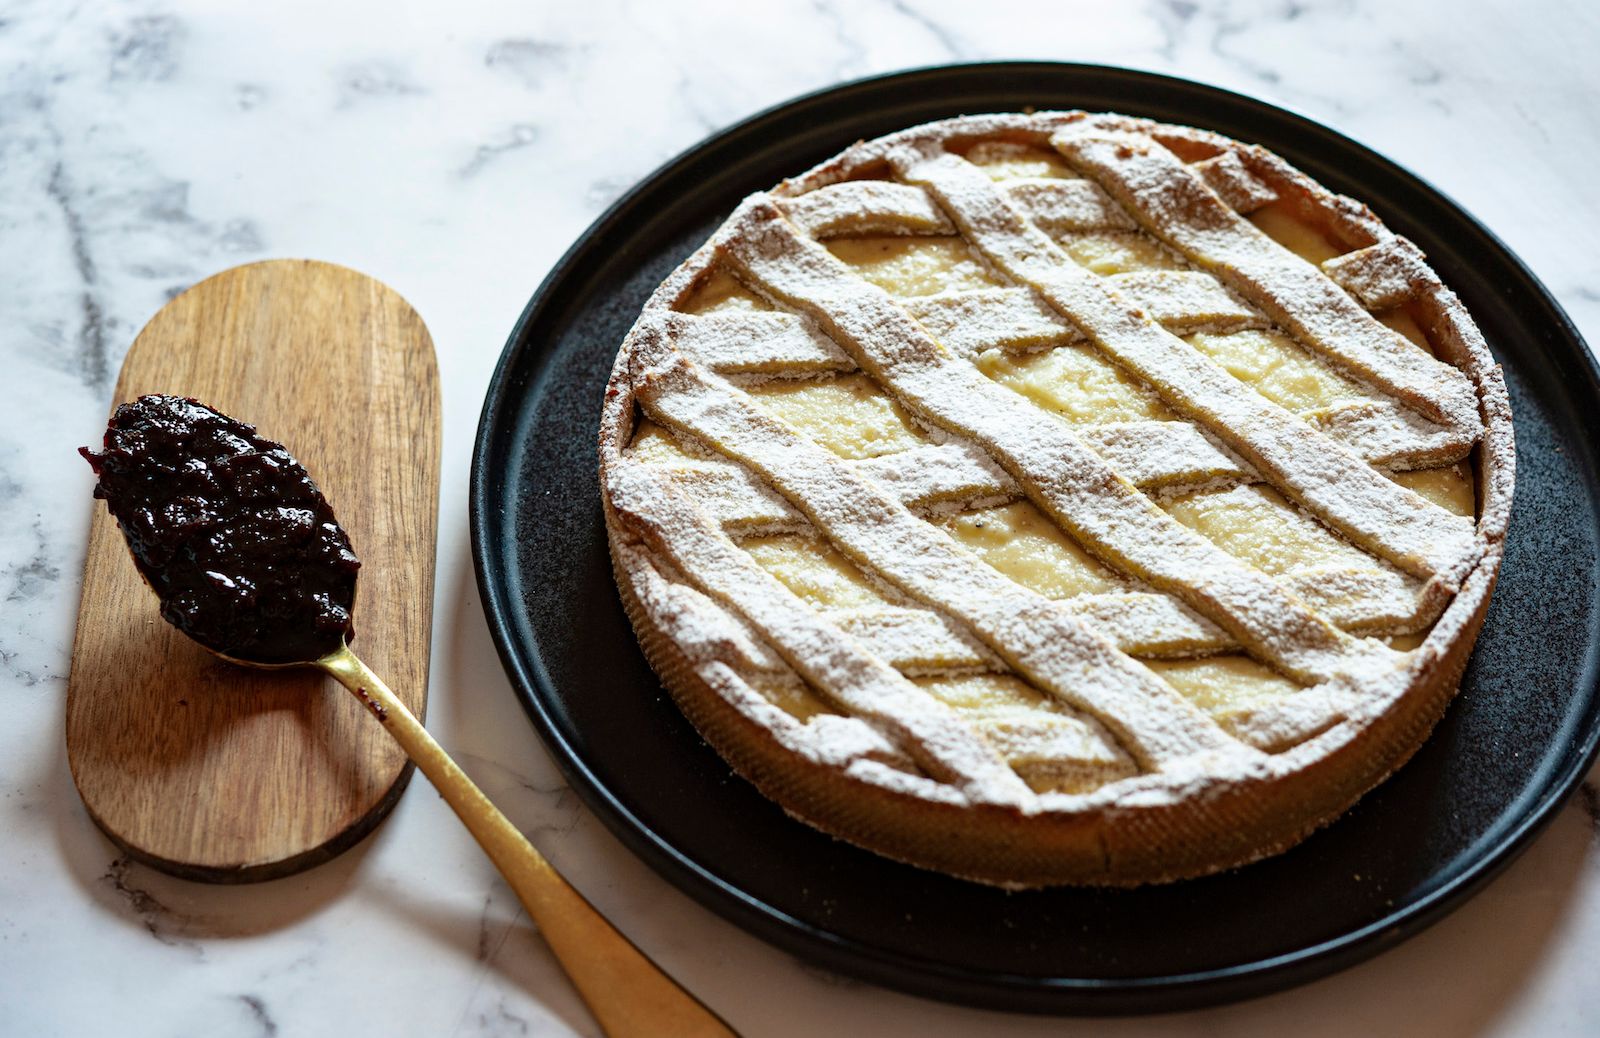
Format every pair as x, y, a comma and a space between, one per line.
218, 772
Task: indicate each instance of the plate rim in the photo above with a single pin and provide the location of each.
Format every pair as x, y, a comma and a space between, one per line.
1076, 995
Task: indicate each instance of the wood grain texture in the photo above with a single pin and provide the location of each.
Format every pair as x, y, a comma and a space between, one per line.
218, 772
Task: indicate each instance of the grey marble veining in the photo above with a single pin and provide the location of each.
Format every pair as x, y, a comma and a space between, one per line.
454, 151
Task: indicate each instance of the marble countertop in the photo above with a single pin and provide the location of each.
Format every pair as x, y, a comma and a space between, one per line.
454, 151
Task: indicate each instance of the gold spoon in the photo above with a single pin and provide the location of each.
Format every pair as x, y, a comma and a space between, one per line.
194, 489
627, 993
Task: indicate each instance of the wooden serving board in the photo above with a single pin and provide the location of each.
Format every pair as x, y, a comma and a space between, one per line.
218, 772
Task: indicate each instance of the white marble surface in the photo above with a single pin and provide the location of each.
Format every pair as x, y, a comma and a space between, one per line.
454, 151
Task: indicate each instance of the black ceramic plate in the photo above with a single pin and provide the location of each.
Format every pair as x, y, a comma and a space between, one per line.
1515, 742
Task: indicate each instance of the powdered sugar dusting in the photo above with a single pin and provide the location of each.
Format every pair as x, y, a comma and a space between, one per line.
952, 612
1382, 275
819, 651
1175, 205
1033, 634
1078, 490
1234, 183
1316, 472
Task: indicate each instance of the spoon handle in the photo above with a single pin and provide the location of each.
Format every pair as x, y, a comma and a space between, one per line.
627, 992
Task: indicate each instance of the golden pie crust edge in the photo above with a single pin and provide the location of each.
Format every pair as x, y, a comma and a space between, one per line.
1117, 844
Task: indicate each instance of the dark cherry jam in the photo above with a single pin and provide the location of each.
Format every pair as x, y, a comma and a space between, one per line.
239, 544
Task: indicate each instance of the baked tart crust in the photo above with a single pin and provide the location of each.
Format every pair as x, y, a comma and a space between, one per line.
1057, 498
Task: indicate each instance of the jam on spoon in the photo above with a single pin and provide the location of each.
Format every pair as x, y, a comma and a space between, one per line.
247, 559
229, 530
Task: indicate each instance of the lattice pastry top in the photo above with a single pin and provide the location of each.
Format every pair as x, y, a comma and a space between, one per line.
1057, 497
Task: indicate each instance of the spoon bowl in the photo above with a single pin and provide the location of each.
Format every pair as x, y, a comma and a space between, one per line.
225, 775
